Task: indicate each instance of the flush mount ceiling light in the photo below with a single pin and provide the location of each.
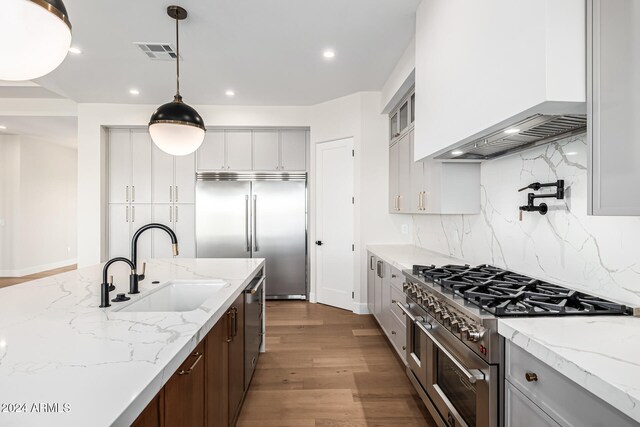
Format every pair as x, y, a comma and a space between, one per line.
512, 131
134, 91
175, 127
75, 50
457, 152
36, 36
3, 127
230, 93
329, 54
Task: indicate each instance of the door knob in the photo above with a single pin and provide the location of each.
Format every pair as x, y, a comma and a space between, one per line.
319, 242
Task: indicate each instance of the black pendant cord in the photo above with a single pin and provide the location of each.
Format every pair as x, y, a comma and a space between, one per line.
178, 97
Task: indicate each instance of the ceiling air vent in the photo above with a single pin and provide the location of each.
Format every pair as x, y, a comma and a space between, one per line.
158, 51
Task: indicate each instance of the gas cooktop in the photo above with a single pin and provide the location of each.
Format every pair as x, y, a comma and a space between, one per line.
505, 293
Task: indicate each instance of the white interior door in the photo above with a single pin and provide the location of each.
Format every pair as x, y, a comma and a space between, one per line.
334, 223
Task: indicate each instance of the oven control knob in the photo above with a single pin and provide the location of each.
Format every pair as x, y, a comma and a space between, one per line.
474, 335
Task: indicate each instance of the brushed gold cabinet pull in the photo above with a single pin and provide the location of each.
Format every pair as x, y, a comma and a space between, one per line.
198, 355
531, 376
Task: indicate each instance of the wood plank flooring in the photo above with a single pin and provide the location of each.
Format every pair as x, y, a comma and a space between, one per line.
326, 367
8, 281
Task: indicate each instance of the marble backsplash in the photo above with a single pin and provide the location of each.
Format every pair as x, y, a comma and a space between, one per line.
597, 254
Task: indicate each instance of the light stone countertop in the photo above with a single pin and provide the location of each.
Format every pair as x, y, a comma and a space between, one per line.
404, 257
94, 366
600, 353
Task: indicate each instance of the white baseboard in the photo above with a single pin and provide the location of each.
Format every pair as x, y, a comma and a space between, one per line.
361, 308
37, 268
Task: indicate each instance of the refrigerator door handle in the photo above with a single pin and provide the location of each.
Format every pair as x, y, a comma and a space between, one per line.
255, 215
246, 222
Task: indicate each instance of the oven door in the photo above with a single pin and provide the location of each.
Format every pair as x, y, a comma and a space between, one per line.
416, 348
462, 386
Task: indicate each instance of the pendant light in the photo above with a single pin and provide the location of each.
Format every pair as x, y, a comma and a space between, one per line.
36, 36
175, 127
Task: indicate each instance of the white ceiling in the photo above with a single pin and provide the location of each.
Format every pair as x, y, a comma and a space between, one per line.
268, 51
59, 130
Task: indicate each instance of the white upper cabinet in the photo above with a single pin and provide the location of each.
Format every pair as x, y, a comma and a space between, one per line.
266, 150
174, 177
614, 77
184, 190
258, 150
293, 150
129, 166
211, 152
483, 65
162, 165
238, 148
119, 165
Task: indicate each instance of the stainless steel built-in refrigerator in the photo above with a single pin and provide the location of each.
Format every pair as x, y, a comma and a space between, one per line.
259, 215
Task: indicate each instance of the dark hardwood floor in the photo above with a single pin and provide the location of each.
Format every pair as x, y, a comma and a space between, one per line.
326, 367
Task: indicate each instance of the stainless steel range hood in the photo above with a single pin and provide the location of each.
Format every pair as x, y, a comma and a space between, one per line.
533, 131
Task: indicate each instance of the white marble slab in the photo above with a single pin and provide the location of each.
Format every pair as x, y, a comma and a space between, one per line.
601, 354
405, 256
99, 366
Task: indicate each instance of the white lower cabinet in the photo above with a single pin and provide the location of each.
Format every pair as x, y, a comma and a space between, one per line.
384, 287
538, 395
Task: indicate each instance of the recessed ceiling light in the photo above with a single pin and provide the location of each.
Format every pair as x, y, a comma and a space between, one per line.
3, 127
75, 50
512, 131
457, 152
230, 93
134, 91
329, 54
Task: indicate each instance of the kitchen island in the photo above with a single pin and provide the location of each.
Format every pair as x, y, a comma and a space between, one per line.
66, 362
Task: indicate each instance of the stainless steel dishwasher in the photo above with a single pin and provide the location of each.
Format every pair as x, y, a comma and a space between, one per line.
253, 312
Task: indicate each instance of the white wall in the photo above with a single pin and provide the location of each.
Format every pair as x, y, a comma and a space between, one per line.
401, 79
39, 184
9, 201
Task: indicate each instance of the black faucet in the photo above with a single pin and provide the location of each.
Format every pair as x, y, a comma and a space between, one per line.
531, 197
107, 284
134, 249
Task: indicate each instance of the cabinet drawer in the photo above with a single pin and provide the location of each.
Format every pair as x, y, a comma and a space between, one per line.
398, 336
396, 295
565, 401
519, 407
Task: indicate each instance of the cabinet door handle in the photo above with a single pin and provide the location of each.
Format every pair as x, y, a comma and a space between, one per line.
126, 194
420, 201
371, 262
235, 322
176, 191
170, 195
531, 376
170, 214
229, 325
126, 215
133, 193
399, 202
198, 356
133, 214
176, 214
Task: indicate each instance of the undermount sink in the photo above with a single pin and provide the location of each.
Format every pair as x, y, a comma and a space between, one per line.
176, 296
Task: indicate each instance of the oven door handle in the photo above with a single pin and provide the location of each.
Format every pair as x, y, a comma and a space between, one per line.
472, 375
405, 311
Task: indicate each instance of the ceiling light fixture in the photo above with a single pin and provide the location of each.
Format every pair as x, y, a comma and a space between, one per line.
571, 153
37, 35
329, 54
134, 91
230, 93
457, 152
512, 131
175, 127
3, 127
75, 50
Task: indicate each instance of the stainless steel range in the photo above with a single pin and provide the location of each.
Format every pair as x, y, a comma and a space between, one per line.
454, 352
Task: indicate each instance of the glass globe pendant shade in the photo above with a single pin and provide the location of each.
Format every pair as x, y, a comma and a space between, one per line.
35, 36
176, 128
